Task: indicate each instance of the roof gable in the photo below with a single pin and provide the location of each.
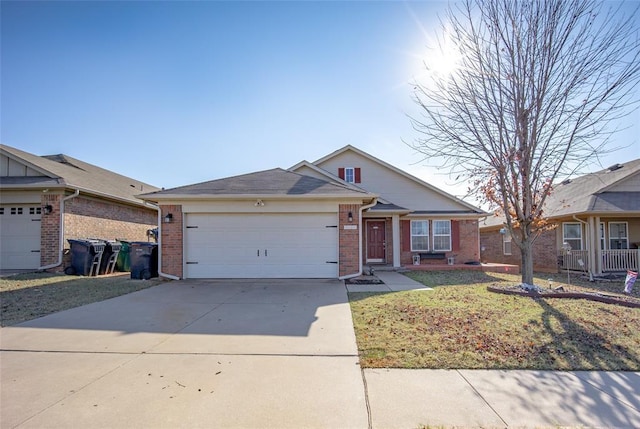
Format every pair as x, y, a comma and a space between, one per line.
393, 184
64, 171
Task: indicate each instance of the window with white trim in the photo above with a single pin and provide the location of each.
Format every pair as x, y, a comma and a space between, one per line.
442, 235
506, 243
618, 235
419, 235
349, 175
603, 242
572, 234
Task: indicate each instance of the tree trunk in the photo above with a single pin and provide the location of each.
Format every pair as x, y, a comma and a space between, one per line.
527, 262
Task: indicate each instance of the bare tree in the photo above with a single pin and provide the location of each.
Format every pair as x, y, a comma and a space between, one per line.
537, 91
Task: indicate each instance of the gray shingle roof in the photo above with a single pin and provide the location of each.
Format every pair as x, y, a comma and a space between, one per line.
269, 182
589, 193
65, 171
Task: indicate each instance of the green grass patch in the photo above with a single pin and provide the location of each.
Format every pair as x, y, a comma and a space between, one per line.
460, 324
29, 296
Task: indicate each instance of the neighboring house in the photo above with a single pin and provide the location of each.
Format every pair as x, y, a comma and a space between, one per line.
597, 215
46, 200
324, 219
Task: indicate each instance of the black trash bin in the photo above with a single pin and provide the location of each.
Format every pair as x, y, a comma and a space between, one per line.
144, 260
109, 256
86, 257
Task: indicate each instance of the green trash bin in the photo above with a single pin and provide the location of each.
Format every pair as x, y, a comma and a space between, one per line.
123, 263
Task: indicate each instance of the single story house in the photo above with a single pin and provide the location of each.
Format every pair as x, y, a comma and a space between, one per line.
46, 200
597, 225
322, 219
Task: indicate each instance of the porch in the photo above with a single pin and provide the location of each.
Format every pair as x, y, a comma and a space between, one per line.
487, 268
613, 260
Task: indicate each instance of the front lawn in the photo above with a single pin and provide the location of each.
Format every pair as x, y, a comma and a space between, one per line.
459, 324
29, 296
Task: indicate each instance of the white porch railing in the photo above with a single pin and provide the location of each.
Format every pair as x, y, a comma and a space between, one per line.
612, 260
620, 260
573, 259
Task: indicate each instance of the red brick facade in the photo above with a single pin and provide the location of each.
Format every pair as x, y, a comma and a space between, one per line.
172, 241
465, 246
544, 250
50, 230
348, 249
86, 217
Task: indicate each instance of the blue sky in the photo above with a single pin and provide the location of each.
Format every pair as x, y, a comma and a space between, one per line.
174, 93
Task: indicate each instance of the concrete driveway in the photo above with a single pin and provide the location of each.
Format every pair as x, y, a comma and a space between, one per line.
189, 354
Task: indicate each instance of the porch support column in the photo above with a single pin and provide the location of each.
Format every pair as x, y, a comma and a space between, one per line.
593, 241
598, 252
395, 228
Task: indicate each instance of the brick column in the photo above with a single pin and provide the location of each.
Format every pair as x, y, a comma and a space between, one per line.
348, 239
171, 240
50, 231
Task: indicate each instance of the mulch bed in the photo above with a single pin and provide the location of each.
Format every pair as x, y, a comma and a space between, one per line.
364, 280
625, 301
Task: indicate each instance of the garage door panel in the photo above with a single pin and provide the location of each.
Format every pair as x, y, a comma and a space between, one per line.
20, 236
261, 246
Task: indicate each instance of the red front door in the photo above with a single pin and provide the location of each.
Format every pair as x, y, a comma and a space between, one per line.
375, 241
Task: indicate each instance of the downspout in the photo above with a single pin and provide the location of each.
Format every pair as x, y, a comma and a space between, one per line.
160, 273
362, 208
61, 238
588, 246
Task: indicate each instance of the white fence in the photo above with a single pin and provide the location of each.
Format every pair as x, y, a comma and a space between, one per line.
577, 260
612, 260
620, 260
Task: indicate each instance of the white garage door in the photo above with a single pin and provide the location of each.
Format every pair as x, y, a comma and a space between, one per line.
20, 236
261, 245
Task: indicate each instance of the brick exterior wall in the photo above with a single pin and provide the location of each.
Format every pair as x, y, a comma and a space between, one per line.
87, 217
172, 241
544, 251
465, 247
348, 248
50, 230
469, 242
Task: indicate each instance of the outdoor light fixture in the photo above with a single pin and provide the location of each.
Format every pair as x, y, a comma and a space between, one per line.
350, 217
259, 203
503, 231
48, 209
168, 218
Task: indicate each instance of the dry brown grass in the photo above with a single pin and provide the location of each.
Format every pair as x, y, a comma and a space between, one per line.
460, 324
29, 296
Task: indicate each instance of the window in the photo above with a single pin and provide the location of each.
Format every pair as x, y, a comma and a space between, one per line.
618, 237
16, 210
603, 242
442, 235
506, 243
419, 235
572, 234
35, 210
349, 175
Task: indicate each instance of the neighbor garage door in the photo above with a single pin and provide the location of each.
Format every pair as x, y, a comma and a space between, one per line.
301, 245
20, 237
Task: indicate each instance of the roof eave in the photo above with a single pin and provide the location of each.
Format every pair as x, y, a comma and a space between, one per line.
193, 197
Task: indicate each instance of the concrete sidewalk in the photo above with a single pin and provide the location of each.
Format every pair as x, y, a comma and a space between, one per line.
402, 398
393, 282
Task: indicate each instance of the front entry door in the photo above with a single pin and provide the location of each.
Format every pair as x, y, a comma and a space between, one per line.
375, 241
